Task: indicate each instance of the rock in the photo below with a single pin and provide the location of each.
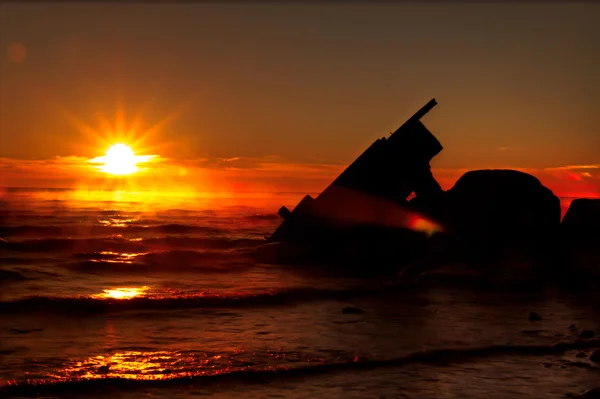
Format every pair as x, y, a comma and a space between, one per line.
590, 394
496, 202
595, 356
586, 334
582, 217
572, 327
352, 310
581, 365
24, 331
495, 209
534, 317
580, 239
531, 332
581, 354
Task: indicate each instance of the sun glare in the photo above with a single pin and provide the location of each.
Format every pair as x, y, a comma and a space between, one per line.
122, 293
120, 160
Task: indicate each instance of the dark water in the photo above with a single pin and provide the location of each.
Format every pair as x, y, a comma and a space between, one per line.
141, 295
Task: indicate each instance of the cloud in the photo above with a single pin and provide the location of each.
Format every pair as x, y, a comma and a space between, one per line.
574, 167
564, 181
247, 174
574, 172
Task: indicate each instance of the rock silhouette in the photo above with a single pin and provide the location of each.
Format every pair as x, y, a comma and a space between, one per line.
352, 310
503, 205
587, 334
488, 211
580, 240
582, 218
534, 317
593, 393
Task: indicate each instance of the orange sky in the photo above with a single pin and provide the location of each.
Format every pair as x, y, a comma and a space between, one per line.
242, 175
282, 97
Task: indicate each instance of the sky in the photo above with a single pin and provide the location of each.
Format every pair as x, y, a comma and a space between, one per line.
281, 97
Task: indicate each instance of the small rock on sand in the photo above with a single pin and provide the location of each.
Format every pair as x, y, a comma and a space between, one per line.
352, 310
595, 356
586, 334
591, 394
534, 317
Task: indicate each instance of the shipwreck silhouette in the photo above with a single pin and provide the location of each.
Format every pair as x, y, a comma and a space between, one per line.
386, 208
365, 212
390, 169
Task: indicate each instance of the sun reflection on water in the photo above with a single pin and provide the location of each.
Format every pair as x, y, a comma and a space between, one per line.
156, 365
130, 364
122, 293
150, 366
118, 257
115, 222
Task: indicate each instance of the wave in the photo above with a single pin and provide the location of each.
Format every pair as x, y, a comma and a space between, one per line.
125, 245
10, 275
113, 228
196, 242
202, 377
265, 216
168, 261
88, 305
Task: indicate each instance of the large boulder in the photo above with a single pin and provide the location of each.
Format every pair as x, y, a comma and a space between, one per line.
582, 218
492, 211
580, 232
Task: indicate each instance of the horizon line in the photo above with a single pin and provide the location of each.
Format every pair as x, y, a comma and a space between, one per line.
15, 188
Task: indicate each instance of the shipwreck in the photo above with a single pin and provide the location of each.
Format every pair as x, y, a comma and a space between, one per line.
390, 169
387, 210
367, 205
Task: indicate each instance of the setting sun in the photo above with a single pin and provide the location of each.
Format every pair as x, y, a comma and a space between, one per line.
120, 160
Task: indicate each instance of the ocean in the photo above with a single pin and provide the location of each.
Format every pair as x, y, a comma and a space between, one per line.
116, 294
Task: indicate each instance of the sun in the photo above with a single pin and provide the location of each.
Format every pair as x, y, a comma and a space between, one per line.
120, 160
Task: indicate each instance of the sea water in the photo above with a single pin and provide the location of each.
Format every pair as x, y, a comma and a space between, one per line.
115, 294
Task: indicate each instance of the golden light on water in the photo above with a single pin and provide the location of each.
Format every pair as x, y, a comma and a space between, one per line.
119, 257
122, 293
150, 366
162, 365
120, 160
130, 365
112, 222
